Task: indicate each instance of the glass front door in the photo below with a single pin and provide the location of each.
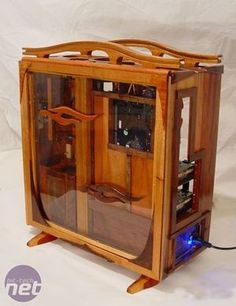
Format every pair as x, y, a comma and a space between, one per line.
94, 158
55, 148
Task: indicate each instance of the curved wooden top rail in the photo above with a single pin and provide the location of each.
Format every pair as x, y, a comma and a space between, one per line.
158, 49
116, 53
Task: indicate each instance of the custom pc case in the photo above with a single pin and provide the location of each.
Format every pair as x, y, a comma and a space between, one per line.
119, 150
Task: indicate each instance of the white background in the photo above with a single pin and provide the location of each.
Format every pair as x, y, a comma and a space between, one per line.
73, 276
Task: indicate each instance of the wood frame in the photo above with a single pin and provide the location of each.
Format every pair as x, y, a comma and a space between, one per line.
159, 49
172, 83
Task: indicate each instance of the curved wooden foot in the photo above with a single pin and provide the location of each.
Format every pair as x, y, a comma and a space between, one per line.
143, 282
40, 239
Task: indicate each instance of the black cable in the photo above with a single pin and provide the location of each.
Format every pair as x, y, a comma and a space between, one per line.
223, 248
210, 245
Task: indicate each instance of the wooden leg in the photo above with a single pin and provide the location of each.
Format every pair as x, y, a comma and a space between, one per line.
40, 239
143, 282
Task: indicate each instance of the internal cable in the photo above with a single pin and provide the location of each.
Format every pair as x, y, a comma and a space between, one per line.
210, 245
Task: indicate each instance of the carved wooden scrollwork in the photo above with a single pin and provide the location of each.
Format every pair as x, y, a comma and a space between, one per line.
116, 53
65, 115
158, 49
109, 194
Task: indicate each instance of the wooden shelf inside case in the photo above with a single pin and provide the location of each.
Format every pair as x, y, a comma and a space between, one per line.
125, 97
130, 151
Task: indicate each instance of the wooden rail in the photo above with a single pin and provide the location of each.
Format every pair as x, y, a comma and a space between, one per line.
158, 49
115, 52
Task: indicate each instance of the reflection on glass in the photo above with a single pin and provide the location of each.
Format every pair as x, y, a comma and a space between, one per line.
56, 150
114, 206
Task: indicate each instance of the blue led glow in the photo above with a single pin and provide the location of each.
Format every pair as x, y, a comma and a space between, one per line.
190, 240
186, 243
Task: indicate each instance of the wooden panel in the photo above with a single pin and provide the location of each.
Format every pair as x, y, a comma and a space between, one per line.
203, 142
83, 104
58, 196
133, 174
115, 73
112, 254
118, 227
167, 245
32, 130
25, 128
110, 165
193, 155
49, 98
142, 177
159, 172
208, 133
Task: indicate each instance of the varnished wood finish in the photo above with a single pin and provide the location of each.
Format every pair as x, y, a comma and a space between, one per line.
41, 239
49, 96
115, 52
25, 125
109, 194
179, 105
124, 97
83, 104
143, 282
125, 199
58, 113
158, 49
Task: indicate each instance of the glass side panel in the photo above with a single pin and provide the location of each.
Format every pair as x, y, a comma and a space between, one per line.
120, 204
93, 177
55, 150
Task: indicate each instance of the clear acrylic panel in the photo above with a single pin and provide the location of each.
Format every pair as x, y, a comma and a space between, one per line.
109, 197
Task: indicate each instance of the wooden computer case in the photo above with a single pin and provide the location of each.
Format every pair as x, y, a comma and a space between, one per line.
119, 149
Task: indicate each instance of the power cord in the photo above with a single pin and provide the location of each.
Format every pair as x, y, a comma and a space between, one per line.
210, 245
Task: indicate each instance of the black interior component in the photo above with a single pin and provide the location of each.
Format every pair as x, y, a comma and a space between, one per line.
132, 125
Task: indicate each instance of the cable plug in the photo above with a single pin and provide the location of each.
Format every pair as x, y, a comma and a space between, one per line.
210, 245
202, 242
